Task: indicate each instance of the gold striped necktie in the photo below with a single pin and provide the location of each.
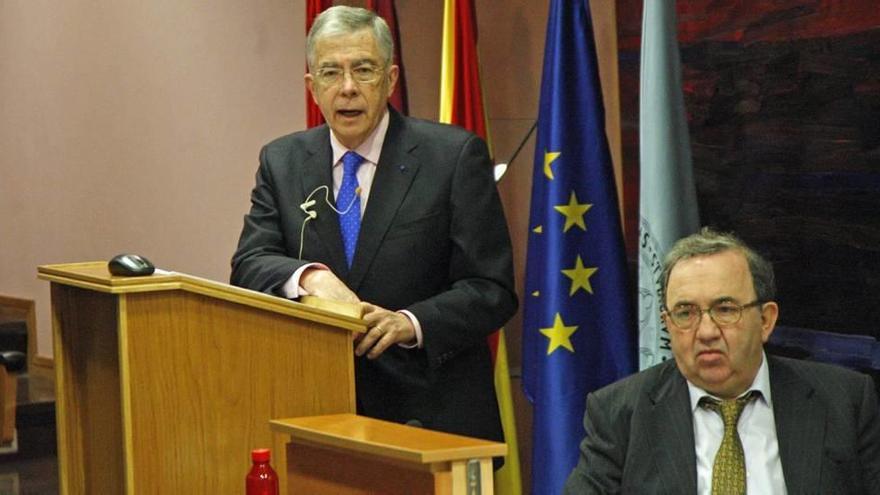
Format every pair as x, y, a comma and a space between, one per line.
729, 469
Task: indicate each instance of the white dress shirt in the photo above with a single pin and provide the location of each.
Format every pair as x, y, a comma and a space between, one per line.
757, 432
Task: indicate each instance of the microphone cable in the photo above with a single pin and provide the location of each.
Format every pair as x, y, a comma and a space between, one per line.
312, 214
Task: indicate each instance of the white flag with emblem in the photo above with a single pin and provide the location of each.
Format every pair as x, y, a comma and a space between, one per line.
668, 204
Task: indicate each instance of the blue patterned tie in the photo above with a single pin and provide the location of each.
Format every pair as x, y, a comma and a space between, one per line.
350, 222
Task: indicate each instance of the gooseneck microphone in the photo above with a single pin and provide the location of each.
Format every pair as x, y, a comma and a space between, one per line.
311, 214
501, 168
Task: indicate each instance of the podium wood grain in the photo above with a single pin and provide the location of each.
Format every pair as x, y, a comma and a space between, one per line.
165, 383
347, 454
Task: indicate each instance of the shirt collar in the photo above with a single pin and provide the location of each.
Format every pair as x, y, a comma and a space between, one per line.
370, 149
761, 384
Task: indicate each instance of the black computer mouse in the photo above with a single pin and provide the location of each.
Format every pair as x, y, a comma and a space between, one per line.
130, 265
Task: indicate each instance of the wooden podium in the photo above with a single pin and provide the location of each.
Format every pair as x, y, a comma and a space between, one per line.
346, 454
165, 383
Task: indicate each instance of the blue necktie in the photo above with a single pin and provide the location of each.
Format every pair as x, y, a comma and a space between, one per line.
348, 198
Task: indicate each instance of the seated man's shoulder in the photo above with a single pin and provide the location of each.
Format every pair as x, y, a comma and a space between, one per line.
810, 369
825, 377
639, 385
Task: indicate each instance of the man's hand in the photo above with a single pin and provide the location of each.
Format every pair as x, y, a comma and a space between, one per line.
325, 284
385, 328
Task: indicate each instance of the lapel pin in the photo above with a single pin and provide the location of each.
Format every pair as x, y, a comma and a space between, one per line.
403, 169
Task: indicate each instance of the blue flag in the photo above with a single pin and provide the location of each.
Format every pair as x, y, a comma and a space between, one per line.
578, 330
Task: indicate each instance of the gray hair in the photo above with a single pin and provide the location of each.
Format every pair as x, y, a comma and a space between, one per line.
342, 20
709, 241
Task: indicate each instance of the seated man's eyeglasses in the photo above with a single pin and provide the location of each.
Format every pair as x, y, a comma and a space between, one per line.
687, 316
362, 74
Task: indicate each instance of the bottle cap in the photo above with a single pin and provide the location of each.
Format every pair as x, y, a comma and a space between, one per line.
260, 455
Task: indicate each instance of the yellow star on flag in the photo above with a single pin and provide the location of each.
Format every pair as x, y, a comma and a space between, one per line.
559, 335
549, 157
580, 276
574, 212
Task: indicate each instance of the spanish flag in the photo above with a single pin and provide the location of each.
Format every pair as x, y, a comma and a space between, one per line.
386, 10
313, 8
461, 103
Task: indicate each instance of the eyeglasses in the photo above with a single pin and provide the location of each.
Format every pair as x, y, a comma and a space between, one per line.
688, 316
362, 74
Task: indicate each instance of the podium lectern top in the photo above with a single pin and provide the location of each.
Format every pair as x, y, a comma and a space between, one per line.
390, 440
95, 276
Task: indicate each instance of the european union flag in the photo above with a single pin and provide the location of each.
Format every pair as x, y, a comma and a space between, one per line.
578, 333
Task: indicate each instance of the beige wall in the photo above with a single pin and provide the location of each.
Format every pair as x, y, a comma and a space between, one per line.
130, 126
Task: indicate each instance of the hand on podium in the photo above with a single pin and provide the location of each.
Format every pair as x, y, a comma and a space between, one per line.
386, 328
325, 284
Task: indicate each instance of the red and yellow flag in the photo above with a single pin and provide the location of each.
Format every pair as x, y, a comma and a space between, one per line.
313, 8
387, 11
461, 103
461, 97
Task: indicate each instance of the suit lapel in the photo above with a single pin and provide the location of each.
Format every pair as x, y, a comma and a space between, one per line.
394, 175
317, 172
674, 444
799, 427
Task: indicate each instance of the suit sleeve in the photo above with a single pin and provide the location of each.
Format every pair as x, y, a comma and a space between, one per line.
600, 464
261, 261
480, 298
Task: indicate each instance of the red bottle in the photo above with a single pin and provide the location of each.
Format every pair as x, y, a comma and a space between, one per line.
262, 479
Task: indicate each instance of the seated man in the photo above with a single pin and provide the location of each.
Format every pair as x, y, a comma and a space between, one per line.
723, 417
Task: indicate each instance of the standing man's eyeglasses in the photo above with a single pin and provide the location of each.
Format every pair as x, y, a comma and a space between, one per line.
362, 74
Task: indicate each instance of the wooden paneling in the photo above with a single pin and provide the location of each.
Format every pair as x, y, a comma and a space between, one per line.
87, 392
355, 455
206, 375
8, 388
15, 308
317, 470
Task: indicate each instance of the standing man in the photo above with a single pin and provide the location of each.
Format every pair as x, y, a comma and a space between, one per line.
398, 214
723, 417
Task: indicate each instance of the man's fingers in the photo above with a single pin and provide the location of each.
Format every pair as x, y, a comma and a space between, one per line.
323, 283
386, 328
371, 314
377, 340
368, 340
379, 347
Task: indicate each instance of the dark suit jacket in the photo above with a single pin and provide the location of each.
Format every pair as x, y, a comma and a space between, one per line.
640, 435
433, 240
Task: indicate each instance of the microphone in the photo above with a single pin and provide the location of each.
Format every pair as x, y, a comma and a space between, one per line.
311, 214
501, 168
309, 202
